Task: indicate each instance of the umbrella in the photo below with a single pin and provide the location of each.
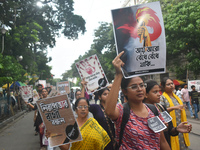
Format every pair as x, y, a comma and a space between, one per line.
17, 83
178, 82
6, 85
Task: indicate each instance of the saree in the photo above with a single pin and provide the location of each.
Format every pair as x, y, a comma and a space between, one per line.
93, 135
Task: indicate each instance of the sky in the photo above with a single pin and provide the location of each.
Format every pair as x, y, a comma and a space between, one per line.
67, 51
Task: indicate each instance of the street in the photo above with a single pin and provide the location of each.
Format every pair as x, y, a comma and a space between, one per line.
19, 135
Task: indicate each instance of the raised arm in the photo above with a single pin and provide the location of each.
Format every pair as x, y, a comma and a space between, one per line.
110, 106
83, 84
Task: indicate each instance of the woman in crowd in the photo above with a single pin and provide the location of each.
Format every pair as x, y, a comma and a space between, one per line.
99, 114
153, 97
176, 110
137, 134
38, 121
94, 136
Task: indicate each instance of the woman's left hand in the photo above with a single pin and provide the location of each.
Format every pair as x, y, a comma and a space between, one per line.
184, 127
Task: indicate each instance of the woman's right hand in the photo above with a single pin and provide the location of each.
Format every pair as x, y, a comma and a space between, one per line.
118, 63
83, 83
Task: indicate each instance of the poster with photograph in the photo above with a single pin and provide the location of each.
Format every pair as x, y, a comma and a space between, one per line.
196, 83
90, 69
63, 87
27, 93
59, 120
139, 32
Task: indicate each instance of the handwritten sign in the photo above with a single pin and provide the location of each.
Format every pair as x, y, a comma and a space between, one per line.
26, 92
166, 116
139, 32
90, 69
59, 120
156, 124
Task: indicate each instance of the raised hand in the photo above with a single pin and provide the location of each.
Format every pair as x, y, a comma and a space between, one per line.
118, 63
83, 83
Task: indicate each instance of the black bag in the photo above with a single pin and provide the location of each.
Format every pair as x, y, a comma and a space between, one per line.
125, 118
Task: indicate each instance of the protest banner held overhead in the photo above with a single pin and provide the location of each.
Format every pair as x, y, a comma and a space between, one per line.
139, 32
27, 93
59, 120
90, 69
63, 87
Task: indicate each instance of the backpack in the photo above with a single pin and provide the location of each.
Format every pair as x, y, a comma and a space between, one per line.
126, 115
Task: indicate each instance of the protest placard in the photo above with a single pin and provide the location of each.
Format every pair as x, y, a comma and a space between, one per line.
196, 83
53, 92
35, 96
156, 125
26, 92
90, 69
139, 32
63, 87
59, 120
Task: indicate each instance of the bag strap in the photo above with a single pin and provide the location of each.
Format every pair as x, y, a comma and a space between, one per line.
153, 109
125, 118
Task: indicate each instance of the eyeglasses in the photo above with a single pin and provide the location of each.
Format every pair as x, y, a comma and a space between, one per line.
81, 107
170, 84
134, 87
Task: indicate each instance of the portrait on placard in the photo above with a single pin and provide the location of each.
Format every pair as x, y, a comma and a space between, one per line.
59, 120
139, 32
90, 69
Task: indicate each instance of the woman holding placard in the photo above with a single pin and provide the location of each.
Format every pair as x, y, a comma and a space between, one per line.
137, 133
153, 97
94, 136
176, 110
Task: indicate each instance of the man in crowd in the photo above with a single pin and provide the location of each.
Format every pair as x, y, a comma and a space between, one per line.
195, 101
186, 99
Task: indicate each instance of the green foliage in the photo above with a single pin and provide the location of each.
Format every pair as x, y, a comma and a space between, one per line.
11, 70
32, 29
104, 47
183, 33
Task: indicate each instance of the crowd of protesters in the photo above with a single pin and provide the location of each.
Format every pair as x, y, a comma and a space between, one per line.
140, 99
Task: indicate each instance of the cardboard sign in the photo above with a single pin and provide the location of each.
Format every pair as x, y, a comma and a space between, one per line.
139, 32
26, 92
90, 69
63, 87
156, 124
166, 116
59, 120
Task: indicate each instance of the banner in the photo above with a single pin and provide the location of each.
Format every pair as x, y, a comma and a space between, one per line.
59, 120
139, 32
63, 87
196, 83
43, 82
90, 69
53, 92
26, 92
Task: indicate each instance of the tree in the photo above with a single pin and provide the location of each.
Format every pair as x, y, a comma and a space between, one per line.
33, 29
104, 47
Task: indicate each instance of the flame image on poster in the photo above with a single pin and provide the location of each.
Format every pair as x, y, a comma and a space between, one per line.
139, 32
